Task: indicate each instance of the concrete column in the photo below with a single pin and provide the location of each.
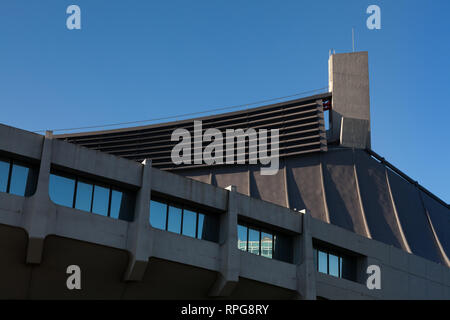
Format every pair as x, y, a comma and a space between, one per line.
39, 212
228, 276
349, 84
306, 270
140, 234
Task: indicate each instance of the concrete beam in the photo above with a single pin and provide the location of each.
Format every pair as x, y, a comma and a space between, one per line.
39, 214
228, 276
140, 234
306, 270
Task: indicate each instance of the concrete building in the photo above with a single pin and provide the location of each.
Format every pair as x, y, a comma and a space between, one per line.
140, 227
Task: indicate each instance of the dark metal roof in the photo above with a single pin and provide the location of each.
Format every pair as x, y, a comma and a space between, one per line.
300, 123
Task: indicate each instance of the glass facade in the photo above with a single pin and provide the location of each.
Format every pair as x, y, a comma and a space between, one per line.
264, 243
17, 178
334, 263
183, 220
82, 194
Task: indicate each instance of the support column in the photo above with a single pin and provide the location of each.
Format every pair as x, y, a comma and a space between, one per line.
228, 276
140, 234
306, 270
39, 213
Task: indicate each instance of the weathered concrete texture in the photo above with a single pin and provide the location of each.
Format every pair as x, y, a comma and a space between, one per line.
349, 188
305, 186
127, 260
349, 83
376, 201
203, 175
272, 188
21, 142
440, 219
413, 218
341, 192
223, 178
354, 133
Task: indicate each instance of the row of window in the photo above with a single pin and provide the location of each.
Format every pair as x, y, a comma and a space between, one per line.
334, 263
183, 220
264, 243
17, 178
99, 198
82, 194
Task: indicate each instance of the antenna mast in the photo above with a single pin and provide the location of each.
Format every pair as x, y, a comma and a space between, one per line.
353, 39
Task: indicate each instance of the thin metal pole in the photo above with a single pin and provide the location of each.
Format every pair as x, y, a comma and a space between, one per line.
353, 39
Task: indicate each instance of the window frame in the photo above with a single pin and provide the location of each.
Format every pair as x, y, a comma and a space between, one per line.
25, 164
170, 203
260, 232
93, 183
329, 252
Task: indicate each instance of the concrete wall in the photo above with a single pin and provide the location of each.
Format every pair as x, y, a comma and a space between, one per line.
129, 260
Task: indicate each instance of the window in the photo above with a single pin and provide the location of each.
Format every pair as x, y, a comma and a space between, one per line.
17, 178
158, 212
183, 220
174, 219
189, 221
264, 243
334, 263
82, 194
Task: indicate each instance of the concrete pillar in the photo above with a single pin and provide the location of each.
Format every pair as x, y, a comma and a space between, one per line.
39, 212
306, 269
140, 234
349, 84
228, 276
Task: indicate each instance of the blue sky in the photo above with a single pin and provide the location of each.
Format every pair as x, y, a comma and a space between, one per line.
136, 60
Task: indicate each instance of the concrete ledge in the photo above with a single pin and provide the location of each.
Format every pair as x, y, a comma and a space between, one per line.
85, 226
21, 142
269, 213
262, 269
96, 163
189, 189
186, 250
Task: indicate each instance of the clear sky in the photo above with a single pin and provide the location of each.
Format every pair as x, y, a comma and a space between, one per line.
135, 60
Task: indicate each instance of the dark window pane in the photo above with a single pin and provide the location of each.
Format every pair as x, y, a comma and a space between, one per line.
19, 177
210, 227
266, 245
333, 265
283, 248
101, 200
323, 263
174, 222
340, 267
61, 190
253, 241
126, 211
189, 221
84, 196
4, 174
201, 221
242, 238
158, 214
349, 268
